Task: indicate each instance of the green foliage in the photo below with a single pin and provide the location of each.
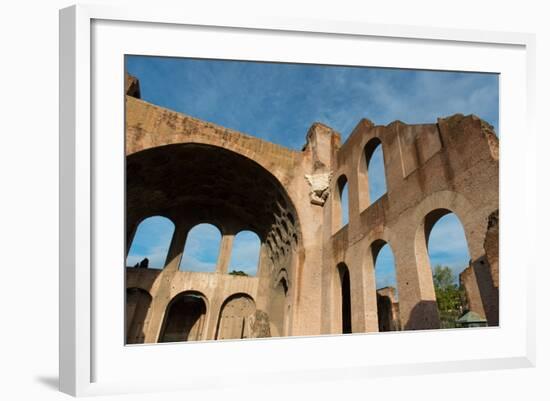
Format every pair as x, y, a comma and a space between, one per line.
443, 277
238, 273
450, 297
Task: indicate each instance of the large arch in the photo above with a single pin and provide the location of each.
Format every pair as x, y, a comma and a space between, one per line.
474, 222
424, 264
143, 134
185, 318
448, 256
235, 319
196, 183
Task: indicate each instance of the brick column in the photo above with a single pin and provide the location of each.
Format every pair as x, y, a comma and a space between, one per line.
214, 310
368, 281
175, 252
224, 256
131, 227
155, 316
417, 302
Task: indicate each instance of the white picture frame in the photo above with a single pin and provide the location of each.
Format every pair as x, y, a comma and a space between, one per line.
90, 364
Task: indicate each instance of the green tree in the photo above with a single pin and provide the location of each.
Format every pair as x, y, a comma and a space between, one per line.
443, 277
238, 273
450, 296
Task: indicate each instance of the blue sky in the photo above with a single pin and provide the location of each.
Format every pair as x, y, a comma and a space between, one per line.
151, 240
279, 102
201, 250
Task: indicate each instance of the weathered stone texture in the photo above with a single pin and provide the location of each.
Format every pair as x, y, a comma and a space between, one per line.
491, 246
388, 310
260, 328
193, 172
473, 297
132, 86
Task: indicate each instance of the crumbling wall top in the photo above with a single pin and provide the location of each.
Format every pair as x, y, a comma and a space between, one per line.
131, 86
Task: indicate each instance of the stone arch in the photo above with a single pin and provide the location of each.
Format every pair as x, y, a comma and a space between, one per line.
236, 317
138, 303
214, 244
183, 129
430, 220
427, 214
185, 318
473, 220
282, 274
366, 171
243, 195
139, 234
424, 261
244, 257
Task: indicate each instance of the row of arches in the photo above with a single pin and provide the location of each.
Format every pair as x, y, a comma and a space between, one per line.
186, 317
201, 251
371, 172
445, 245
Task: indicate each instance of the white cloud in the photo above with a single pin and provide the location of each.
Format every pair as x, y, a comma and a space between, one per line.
190, 263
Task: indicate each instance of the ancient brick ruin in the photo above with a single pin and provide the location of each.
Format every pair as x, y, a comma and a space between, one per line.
315, 276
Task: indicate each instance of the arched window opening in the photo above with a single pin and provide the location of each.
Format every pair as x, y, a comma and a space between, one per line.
345, 296
151, 242
185, 318
138, 302
235, 320
387, 297
245, 254
374, 158
449, 256
202, 248
341, 205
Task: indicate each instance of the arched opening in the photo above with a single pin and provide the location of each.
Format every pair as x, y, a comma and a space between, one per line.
386, 287
374, 163
138, 302
235, 320
345, 298
448, 253
245, 254
277, 309
244, 194
202, 248
341, 204
185, 318
151, 242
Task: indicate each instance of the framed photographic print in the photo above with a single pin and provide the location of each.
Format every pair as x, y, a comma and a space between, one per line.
289, 200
